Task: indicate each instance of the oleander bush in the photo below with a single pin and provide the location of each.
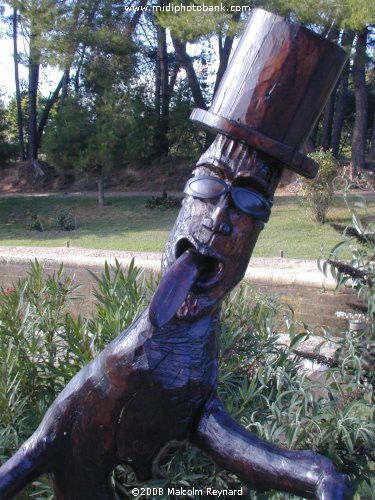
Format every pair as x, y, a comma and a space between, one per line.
42, 345
318, 193
352, 260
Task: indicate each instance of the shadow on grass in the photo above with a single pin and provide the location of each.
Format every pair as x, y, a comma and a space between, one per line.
123, 224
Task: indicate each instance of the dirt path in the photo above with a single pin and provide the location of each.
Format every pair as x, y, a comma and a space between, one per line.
81, 254
90, 194
283, 192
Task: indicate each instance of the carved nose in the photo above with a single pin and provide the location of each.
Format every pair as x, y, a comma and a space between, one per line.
220, 220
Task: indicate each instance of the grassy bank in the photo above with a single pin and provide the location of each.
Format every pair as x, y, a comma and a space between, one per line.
126, 224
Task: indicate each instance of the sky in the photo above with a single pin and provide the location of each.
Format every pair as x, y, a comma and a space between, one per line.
49, 77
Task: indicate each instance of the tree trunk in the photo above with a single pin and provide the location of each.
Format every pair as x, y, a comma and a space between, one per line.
224, 53
172, 81
310, 143
157, 91
78, 71
338, 121
372, 139
21, 143
186, 63
164, 73
135, 19
325, 140
161, 145
33, 90
360, 122
100, 193
64, 88
34, 62
47, 108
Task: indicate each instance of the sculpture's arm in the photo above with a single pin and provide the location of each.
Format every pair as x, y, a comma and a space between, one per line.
264, 466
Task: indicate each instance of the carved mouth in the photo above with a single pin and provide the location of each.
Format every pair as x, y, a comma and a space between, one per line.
211, 268
191, 272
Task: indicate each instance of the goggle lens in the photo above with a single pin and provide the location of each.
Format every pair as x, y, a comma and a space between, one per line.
205, 187
247, 200
251, 203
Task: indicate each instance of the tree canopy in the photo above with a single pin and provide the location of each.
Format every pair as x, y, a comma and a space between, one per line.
132, 71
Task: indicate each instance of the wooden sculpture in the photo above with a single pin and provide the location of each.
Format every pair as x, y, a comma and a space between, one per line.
155, 384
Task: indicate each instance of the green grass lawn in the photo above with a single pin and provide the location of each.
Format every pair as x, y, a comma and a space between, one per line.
126, 224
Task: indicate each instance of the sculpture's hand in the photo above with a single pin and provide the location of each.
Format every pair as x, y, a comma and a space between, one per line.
334, 487
263, 466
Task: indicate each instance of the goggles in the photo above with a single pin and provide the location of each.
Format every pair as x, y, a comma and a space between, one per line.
248, 201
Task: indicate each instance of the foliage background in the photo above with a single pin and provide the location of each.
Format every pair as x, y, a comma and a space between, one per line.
130, 76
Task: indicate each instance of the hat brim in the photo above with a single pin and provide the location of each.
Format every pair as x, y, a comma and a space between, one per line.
290, 158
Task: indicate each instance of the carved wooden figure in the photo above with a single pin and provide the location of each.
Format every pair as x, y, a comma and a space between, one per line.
156, 383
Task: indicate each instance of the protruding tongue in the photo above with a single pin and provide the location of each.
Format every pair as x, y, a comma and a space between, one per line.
174, 287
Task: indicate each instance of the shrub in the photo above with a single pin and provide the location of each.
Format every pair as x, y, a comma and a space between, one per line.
38, 222
318, 192
62, 221
42, 346
33, 327
357, 241
71, 127
163, 201
8, 148
7, 152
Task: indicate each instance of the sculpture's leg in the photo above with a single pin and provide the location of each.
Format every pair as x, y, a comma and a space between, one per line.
80, 486
264, 466
70, 482
17, 472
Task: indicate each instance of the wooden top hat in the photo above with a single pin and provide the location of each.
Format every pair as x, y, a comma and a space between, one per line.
274, 89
